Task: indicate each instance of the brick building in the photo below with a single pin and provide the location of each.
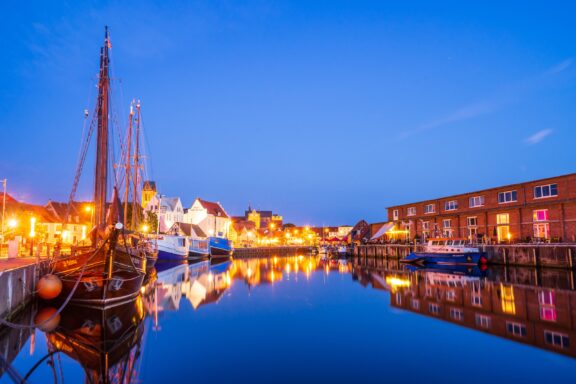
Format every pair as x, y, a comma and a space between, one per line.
539, 210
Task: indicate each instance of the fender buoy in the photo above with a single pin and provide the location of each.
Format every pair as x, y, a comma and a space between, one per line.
42, 322
49, 287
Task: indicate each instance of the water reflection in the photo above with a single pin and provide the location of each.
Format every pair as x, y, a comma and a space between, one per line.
530, 306
535, 307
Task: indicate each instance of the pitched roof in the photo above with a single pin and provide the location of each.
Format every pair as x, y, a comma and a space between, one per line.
213, 208
149, 185
188, 229
170, 202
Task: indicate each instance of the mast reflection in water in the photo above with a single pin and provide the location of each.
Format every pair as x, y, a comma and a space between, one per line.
307, 319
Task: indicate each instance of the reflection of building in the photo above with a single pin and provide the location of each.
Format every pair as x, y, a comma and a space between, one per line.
535, 315
543, 210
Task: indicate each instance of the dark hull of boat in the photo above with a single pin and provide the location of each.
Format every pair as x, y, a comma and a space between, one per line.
472, 258
220, 248
198, 255
97, 287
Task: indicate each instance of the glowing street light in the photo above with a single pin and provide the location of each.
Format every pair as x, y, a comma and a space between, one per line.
32, 226
145, 228
12, 223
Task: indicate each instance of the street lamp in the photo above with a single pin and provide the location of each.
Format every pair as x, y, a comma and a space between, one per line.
12, 223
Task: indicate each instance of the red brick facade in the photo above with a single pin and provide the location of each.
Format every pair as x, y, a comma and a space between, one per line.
543, 210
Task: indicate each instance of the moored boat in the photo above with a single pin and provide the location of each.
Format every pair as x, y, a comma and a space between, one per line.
198, 249
110, 271
220, 248
172, 251
447, 251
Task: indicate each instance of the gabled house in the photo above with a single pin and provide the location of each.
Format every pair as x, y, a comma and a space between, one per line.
210, 217
168, 209
185, 229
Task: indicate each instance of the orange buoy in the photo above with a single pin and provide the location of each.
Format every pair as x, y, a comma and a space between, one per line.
44, 320
49, 287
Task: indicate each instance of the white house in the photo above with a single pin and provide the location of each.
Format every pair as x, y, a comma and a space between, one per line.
170, 212
210, 217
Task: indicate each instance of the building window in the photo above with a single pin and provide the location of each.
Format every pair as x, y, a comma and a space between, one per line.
428, 292
425, 225
429, 208
516, 329
503, 219
507, 299
450, 295
547, 302
541, 215
472, 221
507, 197
476, 294
557, 339
456, 314
415, 303
451, 205
476, 201
542, 191
447, 223
395, 214
483, 321
434, 309
398, 298
503, 229
411, 211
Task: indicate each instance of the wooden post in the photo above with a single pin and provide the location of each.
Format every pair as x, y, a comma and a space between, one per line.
535, 257
570, 258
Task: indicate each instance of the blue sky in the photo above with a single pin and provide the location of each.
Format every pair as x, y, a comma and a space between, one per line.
325, 111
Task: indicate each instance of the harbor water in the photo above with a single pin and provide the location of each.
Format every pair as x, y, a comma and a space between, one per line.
307, 319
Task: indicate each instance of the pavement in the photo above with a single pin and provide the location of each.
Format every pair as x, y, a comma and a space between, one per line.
19, 262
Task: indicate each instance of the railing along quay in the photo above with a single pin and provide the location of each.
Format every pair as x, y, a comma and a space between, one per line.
560, 255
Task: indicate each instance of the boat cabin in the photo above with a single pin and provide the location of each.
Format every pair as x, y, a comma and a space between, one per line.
450, 245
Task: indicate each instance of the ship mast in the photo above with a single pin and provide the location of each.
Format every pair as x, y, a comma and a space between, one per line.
136, 175
128, 167
101, 174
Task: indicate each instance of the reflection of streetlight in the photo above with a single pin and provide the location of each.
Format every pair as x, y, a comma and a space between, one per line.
272, 225
145, 228
12, 223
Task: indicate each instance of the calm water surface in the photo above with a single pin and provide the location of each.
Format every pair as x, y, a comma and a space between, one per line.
302, 319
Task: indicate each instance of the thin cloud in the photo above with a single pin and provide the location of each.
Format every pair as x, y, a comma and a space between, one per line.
538, 136
467, 112
560, 67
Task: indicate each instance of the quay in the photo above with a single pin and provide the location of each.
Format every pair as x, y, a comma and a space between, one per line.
252, 252
560, 255
18, 279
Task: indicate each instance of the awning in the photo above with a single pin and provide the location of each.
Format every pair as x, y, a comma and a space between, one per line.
382, 231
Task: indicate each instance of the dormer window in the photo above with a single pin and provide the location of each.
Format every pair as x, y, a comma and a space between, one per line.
429, 208
451, 205
507, 197
411, 211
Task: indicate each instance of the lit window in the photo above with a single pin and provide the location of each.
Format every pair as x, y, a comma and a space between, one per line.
545, 191
429, 208
557, 339
476, 201
472, 221
411, 211
507, 299
502, 218
547, 302
507, 197
451, 205
541, 215
516, 329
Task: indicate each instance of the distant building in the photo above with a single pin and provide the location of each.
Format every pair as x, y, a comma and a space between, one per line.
210, 216
148, 192
263, 219
539, 210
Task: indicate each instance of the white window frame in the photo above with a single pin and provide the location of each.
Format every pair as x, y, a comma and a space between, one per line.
562, 344
535, 215
415, 303
429, 208
449, 221
475, 221
476, 201
411, 211
451, 205
517, 329
434, 308
541, 188
510, 193
395, 215
451, 295
483, 321
456, 314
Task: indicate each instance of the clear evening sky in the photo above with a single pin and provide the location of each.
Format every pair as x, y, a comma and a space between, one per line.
324, 111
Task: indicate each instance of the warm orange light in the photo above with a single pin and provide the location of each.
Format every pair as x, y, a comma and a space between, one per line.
88, 208
32, 226
12, 223
145, 228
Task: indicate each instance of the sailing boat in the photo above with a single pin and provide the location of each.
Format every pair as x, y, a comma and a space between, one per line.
110, 271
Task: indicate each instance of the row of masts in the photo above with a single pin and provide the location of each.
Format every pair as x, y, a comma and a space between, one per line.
132, 165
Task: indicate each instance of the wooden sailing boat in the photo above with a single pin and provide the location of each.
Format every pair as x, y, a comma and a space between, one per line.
111, 270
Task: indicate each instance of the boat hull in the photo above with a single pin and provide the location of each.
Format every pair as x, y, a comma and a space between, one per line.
471, 258
220, 248
198, 254
97, 286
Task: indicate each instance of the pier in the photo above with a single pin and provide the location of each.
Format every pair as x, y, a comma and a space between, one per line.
17, 283
271, 251
559, 255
